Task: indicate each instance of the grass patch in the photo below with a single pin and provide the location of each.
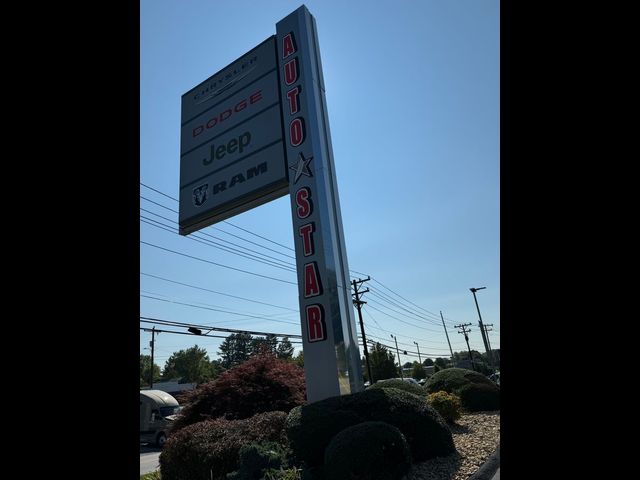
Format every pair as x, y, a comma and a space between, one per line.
150, 476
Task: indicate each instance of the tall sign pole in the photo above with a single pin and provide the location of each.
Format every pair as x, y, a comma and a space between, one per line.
330, 342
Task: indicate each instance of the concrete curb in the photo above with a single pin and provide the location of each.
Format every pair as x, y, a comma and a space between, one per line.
488, 468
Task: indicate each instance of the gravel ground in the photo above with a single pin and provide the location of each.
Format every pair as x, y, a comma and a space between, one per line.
476, 436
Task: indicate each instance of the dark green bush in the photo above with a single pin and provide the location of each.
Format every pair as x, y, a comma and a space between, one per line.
255, 458
209, 450
400, 385
367, 451
311, 427
261, 384
447, 404
451, 380
478, 397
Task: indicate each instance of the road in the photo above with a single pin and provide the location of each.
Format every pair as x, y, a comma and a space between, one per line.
148, 458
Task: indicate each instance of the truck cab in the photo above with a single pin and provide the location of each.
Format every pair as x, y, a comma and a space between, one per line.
156, 415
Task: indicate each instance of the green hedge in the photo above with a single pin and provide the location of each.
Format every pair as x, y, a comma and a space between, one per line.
311, 427
209, 450
451, 380
480, 393
369, 450
255, 458
400, 385
480, 397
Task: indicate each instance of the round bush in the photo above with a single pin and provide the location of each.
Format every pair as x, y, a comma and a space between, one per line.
255, 458
311, 427
209, 450
451, 380
447, 405
479, 397
263, 383
400, 385
367, 451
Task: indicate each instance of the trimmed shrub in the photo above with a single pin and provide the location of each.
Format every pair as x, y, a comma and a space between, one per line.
451, 380
447, 405
257, 457
479, 397
367, 451
209, 450
311, 427
292, 473
263, 383
400, 385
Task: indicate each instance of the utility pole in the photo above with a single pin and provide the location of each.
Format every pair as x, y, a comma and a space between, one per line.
419, 359
445, 332
152, 344
484, 337
486, 331
397, 350
358, 303
466, 337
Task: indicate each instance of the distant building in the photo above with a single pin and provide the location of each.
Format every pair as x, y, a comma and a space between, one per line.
173, 387
427, 368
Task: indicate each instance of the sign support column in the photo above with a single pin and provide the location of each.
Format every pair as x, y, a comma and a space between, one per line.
330, 342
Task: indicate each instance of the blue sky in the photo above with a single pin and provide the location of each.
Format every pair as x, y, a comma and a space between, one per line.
413, 95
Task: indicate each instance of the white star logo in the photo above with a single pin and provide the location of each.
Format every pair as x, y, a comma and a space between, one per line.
302, 168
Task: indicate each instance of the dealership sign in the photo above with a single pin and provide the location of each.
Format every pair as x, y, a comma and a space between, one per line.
253, 132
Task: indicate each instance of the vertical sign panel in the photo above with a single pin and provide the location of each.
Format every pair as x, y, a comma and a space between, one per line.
231, 151
331, 354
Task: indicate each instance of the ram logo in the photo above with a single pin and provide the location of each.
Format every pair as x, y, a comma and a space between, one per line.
200, 194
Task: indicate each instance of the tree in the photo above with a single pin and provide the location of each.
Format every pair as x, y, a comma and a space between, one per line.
235, 349
479, 361
441, 363
428, 362
145, 370
285, 349
418, 371
299, 359
407, 365
190, 365
264, 345
383, 364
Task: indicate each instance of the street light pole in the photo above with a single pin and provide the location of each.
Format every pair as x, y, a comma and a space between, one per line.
419, 359
397, 350
482, 331
152, 345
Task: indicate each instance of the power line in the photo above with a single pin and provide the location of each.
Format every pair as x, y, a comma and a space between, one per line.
218, 264
237, 312
400, 320
227, 241
159, 204
174, 323
191, 334
158, 191
220, 310
398, 304
420, 317
400, 335
219, 293
397, 294
224, 221
224, 248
